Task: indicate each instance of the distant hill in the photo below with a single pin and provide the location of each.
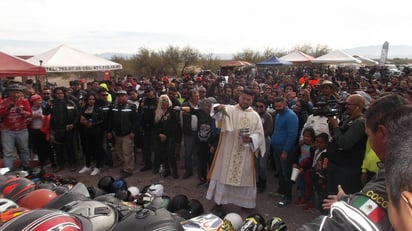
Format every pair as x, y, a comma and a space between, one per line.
373, 52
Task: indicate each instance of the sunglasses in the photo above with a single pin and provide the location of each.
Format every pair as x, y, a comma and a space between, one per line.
260, 106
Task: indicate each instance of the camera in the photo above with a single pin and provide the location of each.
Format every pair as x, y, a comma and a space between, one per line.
328, 108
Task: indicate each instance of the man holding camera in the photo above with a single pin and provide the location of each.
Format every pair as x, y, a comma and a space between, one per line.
347, 148
14, 111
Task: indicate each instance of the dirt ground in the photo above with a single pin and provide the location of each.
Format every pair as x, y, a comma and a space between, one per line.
293, 215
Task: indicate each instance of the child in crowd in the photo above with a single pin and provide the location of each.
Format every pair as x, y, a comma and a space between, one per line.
304, 164
320, 168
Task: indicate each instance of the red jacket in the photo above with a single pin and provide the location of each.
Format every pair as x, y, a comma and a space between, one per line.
15, 114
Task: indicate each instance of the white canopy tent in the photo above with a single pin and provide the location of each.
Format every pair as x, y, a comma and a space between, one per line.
66, 59
297, 57
365, 60
336, 57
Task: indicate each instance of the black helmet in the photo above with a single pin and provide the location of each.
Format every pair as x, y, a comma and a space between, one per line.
254, 222
178, 202
195, 208
124, 195
65, 198
146, 219
105, 183
47, 219
276, 224
184, 213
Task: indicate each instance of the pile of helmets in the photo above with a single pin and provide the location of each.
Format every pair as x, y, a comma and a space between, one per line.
185, 208
46, 202
42, 201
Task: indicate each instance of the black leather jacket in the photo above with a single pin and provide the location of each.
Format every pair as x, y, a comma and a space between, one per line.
365, 210
62, 113
123, 119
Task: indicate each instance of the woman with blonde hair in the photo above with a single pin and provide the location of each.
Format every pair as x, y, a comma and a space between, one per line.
168, 130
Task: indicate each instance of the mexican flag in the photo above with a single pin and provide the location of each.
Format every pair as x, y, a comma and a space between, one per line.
370, 208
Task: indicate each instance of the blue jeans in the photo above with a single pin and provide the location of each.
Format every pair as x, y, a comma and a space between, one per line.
9, 140
284, 168
191, 144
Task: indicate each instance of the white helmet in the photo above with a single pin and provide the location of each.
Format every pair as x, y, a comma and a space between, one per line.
156, 190
235, 219
7, 204
133, 190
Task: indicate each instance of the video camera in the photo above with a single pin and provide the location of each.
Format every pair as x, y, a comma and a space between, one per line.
328, 108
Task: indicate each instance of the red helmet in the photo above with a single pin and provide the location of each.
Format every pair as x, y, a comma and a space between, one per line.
16, 187
37, 199
47, 219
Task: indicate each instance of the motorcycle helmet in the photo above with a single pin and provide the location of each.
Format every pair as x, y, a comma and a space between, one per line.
276, 224
61, 189
16, 187
95, 191
17, 173
36, 173
133, 190
254, 222
102, 216
195, 208
80, 188
156, 190
148, 220
234, 219
7, 204
50, 186
47, 219
227, 226
105, 183
184, 213
3, 179
144, 200
108, 198
37, 199
178, 202
65, 198
124, 195
11, 213
118, 185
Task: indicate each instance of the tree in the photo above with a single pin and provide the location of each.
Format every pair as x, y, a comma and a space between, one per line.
209, 62
248, 55
171, 57
189, 56
316, 51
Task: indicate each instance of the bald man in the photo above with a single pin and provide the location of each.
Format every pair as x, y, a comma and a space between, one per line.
347, 148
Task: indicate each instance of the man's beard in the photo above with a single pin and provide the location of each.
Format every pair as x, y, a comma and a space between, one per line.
243, 106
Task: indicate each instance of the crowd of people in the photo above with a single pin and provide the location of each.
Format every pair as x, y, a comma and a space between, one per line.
323, 122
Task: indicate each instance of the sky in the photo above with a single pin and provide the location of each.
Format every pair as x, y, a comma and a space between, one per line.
31, 27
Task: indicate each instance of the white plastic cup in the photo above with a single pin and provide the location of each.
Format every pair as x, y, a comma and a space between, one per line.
295, 174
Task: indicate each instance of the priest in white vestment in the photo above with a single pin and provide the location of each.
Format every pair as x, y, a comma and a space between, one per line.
233, 175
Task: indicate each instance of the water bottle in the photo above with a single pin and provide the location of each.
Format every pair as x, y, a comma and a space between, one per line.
162, 173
